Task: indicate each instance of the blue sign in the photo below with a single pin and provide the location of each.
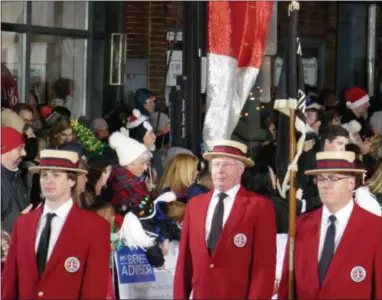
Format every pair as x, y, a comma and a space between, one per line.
133, 266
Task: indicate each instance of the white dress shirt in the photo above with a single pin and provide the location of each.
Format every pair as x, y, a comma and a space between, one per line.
228, 203
56, 226
342, 219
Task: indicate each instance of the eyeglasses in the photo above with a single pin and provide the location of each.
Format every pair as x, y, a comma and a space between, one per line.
330, 180
222, 165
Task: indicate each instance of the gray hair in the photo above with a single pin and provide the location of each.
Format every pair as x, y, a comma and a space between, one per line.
145, 156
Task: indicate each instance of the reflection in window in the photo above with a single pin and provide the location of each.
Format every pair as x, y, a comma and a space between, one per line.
12, 47
58, 61
63, 14
13, 11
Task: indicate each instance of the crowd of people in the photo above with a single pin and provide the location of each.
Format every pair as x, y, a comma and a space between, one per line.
75, 190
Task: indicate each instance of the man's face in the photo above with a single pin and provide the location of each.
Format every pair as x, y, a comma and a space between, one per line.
149, 140
13, 158
226, 173
338, 144
150, 104
66, 135
311, 117
27, 116
56, 185
335, 189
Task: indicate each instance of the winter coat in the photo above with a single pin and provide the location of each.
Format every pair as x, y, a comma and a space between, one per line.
14, 197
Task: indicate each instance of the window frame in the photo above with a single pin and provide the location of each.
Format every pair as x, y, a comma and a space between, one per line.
28, 29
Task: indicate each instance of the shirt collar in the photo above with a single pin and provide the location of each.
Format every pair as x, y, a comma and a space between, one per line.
342, 216
61, 212
231, 192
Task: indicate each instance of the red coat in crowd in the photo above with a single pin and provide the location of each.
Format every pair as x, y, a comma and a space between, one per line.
356, 269
77, 269
238, 269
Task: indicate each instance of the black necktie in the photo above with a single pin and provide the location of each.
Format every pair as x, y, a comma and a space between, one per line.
217, 223
328, 250
43, 244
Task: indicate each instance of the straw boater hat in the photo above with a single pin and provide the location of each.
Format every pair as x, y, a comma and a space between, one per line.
58, 160
335, 162
232, 149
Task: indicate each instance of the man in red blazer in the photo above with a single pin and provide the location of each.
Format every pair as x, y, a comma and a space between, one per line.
228, 244
338, 248
58, 251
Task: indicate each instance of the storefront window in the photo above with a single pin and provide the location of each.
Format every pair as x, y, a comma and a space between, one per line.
59, 61
12, 49
62, 14
13, 11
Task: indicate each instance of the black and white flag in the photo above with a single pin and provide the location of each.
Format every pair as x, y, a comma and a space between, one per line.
290, 94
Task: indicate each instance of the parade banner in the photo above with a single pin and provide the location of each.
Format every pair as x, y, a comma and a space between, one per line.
137, 279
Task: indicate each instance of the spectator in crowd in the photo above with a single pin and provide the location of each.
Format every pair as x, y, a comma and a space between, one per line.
140, 129
332, 138
327, 98
25, 112
357, 103
71, 245
14, 196
237, 229
118, 116
325, 239
63, 91
144, 101
61, 133
369, 197
101, 129
33, 102
161, 125
261, 180
314, 119
180, 177
125, 183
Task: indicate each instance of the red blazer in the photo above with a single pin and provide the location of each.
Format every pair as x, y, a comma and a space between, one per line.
85, 236
360, 246
232, 272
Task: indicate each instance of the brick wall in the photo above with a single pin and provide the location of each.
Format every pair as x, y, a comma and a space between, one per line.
316, 20
148, 22
146, 25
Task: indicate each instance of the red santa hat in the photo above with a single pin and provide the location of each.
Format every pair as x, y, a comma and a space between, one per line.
355, 97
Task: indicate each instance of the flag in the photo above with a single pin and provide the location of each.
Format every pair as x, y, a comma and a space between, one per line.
290, 95
237, 33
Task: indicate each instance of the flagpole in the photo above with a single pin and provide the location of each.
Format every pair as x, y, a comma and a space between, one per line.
292, 82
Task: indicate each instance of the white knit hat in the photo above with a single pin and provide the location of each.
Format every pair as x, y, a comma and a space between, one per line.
128, 149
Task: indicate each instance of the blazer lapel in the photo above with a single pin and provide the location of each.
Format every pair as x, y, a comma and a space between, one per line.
31, 242
66, 236
347, 242
309, 246
201, 223
237, 214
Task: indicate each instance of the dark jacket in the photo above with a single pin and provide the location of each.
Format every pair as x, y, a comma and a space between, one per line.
366, 130
14, 197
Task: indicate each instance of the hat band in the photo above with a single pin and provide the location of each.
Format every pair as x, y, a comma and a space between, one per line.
58, 162
335, 164
228, 150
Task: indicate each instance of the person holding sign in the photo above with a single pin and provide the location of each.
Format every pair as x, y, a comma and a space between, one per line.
228, 242
338, 248
58, 251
